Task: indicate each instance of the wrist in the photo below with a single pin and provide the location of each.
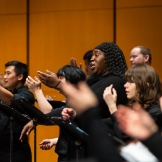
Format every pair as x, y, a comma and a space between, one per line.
57, 85
112, 108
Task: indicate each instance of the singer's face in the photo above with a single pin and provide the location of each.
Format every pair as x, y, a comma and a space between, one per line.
137, 58
10, 78
130, 89
98, 65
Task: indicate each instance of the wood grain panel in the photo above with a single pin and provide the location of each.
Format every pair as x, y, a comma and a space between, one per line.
12, 7
54, 5
141, 26
56, 37
12, 39
138, 3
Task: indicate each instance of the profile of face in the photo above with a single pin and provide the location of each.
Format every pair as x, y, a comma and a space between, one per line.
137, 58
98, 64
11, 80
130, 89
87, 68
62, 78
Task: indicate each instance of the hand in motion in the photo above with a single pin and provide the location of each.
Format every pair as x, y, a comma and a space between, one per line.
33, 84
26, 130
80, 96
48, 143
137, 124
50, 79
68, 113
74, 63
110, 97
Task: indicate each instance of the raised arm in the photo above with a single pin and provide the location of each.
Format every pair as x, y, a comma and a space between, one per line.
49, 78
35, 86
6, 96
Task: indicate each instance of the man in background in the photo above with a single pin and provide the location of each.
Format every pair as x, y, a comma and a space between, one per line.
140, 55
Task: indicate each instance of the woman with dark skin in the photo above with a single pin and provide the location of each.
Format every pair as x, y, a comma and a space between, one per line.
108, 66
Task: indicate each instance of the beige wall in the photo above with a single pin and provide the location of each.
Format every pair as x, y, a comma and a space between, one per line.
68, 28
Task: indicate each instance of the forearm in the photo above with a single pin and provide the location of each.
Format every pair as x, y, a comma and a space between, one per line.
112, 108
44, 105
6, 96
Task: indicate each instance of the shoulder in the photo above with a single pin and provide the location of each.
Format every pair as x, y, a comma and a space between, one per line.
23, 91
155, 109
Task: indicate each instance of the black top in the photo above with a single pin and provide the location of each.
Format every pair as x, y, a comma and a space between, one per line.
55, 112
112, 124
4, 120
102, 147
98, 85
154, 144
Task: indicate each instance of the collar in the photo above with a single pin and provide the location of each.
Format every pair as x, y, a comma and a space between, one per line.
19, 89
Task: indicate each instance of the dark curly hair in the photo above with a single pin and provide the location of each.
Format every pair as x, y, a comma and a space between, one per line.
114, 58
148, 85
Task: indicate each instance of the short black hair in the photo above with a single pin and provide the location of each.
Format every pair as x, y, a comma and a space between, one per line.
73, 74
20, 68
87, 56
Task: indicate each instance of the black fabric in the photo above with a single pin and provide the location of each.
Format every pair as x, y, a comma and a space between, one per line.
98, 85
55, 112
21, 92
66, 147
21, 153
154, 144
112, 124
156, 114
21, 150
101, 147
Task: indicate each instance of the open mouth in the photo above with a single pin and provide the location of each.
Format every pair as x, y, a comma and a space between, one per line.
92, 66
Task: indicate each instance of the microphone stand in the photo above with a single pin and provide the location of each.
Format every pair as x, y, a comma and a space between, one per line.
36, 115
12, 114
11, 137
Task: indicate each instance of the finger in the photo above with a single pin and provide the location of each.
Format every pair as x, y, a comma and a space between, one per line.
36, 79
28, 131
22, 135
41, 74
49, 72
80, 66
30, 78
114, 91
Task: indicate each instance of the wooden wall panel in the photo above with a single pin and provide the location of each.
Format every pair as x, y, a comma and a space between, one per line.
63, 5
57, 36
12, 31
140, 26
12, 7
137, 3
